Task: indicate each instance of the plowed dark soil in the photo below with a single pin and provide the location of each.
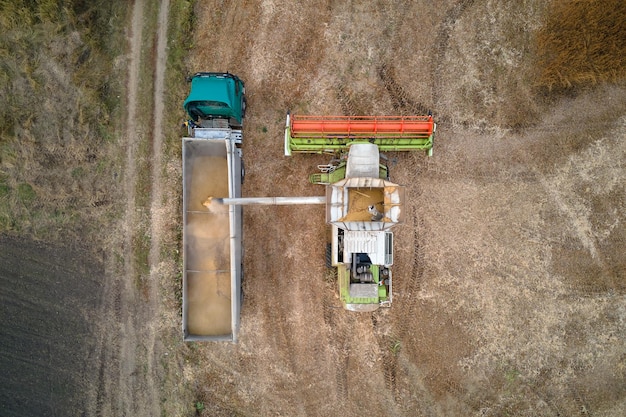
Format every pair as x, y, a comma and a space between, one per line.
50, 300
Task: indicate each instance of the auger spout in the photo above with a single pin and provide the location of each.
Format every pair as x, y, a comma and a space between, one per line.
265, 201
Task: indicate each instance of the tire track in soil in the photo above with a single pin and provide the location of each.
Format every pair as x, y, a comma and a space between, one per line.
400, 99
347, 103
389, 361
339, 353
128, 374
121, 343
403, 104
415, 283
156, 204
156, 208
441, 44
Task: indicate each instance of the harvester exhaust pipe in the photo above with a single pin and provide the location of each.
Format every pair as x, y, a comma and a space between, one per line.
264, 201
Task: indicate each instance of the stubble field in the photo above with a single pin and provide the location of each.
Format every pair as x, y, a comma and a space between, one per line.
509, 276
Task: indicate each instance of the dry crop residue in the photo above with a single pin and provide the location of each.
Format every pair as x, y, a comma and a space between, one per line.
508, 282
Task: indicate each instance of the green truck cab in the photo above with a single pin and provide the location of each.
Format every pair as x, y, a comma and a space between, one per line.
216, 99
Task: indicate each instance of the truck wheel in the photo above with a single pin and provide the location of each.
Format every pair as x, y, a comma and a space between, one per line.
244, 104
241, 294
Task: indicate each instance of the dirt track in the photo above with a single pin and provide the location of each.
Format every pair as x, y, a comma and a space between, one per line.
509, 277
129, 347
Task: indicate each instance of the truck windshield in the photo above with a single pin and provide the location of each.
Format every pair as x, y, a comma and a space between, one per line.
211, 104
205, 108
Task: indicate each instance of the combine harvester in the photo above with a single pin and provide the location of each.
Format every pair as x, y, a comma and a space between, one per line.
362, 205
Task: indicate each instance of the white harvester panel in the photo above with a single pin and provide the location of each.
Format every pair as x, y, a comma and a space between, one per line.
364, 290
374, 244
363, 161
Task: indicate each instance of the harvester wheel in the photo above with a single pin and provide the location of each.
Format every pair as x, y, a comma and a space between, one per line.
329, 255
